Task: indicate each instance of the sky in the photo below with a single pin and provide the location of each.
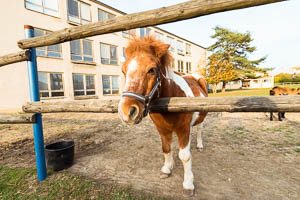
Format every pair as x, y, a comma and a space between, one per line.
275, 28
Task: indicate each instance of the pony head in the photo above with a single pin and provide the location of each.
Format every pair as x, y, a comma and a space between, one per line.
142, 68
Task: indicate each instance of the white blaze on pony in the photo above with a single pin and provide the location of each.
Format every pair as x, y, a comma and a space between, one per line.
130, 79
148, 76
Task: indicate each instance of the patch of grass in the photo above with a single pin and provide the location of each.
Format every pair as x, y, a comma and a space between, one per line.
288, 85
20, 183
243, 92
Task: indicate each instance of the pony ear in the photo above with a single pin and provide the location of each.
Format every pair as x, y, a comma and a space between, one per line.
160, 49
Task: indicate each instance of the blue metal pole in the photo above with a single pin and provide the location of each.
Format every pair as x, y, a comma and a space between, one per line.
35, 96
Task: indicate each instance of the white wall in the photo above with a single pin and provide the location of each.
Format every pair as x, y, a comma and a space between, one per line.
13, 78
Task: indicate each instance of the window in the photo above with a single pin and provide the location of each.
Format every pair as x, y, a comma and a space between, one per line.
144, 32
180, 49
188, 49
84, 84
171, 42
49, 51
188, 67
48, 7
180, 66
110, 84
79, 12
159, 36
129, 33
124, 52
123, 57
103, 15
81, 50
108, 54
51, 84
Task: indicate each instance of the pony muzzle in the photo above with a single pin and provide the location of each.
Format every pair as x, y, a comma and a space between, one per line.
130, 113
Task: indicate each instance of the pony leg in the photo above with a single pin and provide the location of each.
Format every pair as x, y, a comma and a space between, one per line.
279, 116
271, 116
199, 138
166, 140
186, 159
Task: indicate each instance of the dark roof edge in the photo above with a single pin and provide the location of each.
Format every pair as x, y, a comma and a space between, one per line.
121, 12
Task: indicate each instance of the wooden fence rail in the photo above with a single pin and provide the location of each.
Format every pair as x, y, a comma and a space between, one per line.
17, 118
176, 104
178, 12
14, 57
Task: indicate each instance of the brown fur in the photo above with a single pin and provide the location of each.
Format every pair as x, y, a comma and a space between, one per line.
151, 53
156, 54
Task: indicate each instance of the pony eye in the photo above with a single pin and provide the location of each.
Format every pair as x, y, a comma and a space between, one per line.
151, 71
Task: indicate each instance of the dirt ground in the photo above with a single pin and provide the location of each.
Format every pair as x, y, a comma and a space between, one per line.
246, 156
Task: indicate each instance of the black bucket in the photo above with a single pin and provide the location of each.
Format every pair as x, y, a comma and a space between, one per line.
60, 154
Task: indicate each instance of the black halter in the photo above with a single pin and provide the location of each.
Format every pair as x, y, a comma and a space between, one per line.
145, 100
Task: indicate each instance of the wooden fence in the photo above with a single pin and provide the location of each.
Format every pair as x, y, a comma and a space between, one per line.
187, 10
14, 57
176, 104
178, 12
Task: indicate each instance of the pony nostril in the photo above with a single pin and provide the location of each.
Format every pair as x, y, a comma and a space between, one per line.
133, 111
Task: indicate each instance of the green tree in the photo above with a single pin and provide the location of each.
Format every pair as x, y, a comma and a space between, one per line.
229, 59
285, 77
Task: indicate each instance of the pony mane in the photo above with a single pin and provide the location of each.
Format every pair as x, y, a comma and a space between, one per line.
152, 46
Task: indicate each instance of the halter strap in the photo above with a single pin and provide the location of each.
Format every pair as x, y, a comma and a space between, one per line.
145, 100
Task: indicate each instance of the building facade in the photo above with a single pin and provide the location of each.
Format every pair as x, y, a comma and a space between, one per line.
81, 69
262, 82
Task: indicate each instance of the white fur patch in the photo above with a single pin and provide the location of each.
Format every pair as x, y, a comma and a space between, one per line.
130, 79
195, 116
169, 73
186, 158
169, 162
199, 137
179, 80
132, 66
183, 85
198, 77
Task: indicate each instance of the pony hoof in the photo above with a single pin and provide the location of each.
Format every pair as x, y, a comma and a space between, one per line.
164, 175
188, 192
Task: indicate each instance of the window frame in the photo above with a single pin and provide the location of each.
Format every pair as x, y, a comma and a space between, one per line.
171, 41
110, 85
188, 65
123, 56
180, 51
189, 53
85, 90
129, 33
180, 66
109, 13
146, 32
79, 13
110, 45
43, 8
49, 85
45, 32
82, 52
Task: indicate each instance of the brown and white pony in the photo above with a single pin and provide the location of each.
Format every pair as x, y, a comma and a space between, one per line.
148, 75
277, 91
